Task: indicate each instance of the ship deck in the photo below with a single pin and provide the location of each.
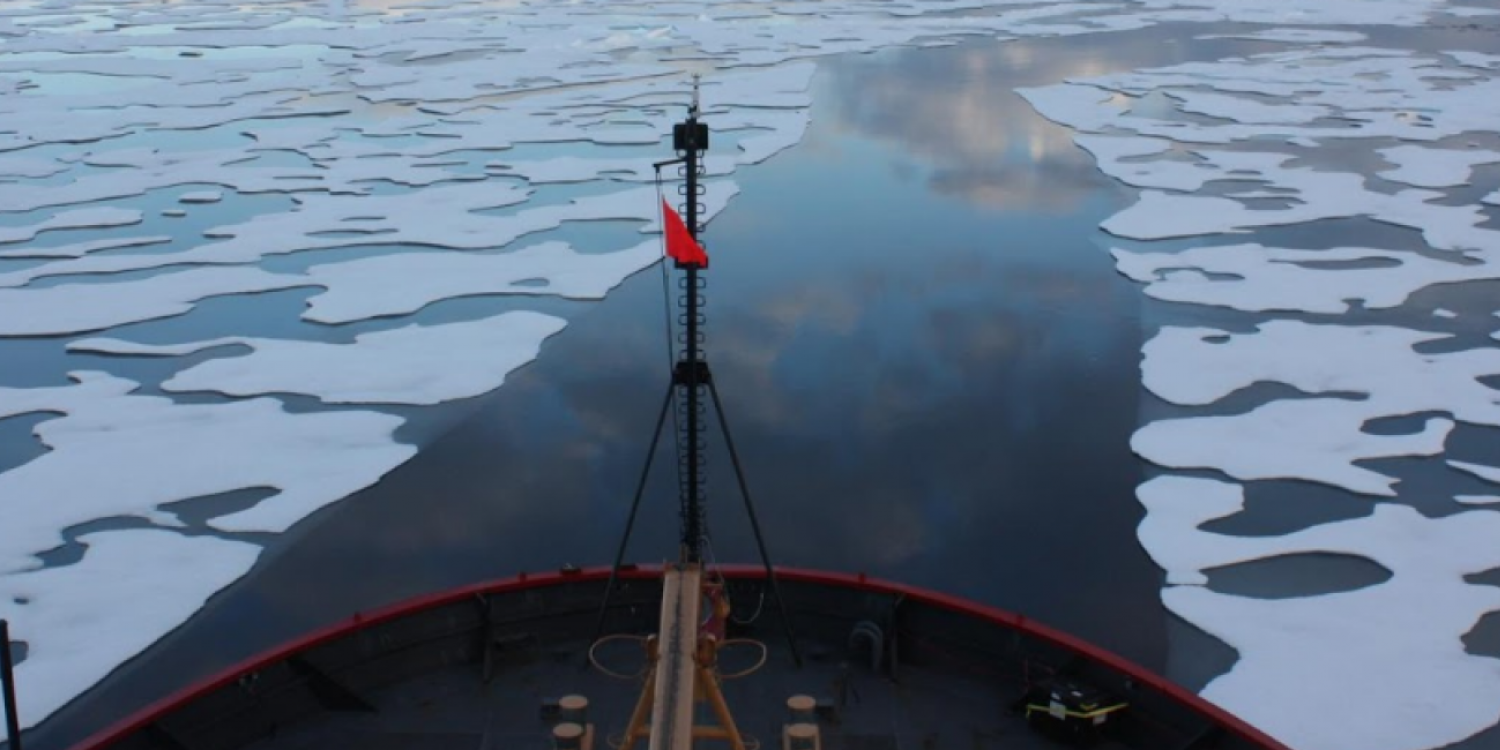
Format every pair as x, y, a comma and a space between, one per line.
891, 668
454, 709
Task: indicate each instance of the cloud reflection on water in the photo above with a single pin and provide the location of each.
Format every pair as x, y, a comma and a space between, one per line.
956, 108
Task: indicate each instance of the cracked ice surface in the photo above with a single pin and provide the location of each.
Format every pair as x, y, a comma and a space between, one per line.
1267, 119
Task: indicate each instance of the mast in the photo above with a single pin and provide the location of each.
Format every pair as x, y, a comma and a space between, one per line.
692, 389
690, 140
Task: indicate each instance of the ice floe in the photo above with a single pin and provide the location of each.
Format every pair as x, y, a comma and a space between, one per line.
408, 365
1469, 11
1255, 278
23, 167
80, 249
445, 216
1175, 507
144, 170
1198, 366
82, 620
1475, 59
1477, 499
1420, 166
399, 284
1330, 12
78, 218
1317, 195
173, 454
1487, 473
1302, 658
74, 308
1245, 110
1297, 36
201, 196
1299, 658
1367, 92
1316, 440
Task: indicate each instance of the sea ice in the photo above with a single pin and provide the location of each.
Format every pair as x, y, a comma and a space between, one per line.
1329, 12
1175, 506
1315, 652
1367, 92
78, 218
1468, 11
80, 249
176, 452
1244, 110
1477, 499
1113, 148
1315, 439
1475, 59
445, 216
1297, 36
1487, 473
1300, 659
201, 196
1318, 195
1116, 156
1198, 366
1255, 278
14, 167
142, 170
1421, 166
53, 310
408, 365
82, 620
405, 283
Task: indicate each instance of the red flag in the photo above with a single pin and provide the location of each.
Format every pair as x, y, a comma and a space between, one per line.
681, 246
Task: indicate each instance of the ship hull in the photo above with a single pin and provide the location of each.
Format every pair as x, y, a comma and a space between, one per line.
476, 666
